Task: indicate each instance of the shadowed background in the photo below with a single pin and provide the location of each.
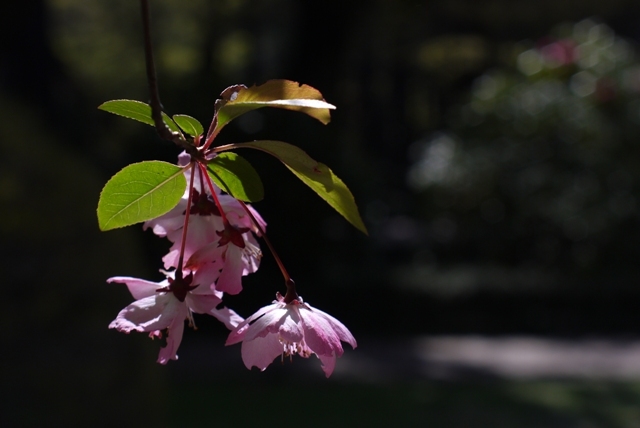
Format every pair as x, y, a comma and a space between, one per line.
492, 147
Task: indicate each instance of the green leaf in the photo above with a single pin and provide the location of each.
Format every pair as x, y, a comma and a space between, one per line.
188, 124
136, 110
140, 192
236, 176
275, 93
314, 174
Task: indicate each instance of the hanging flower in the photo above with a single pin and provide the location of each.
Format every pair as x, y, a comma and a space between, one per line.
290, 328
164, 306
227, 260
207, 232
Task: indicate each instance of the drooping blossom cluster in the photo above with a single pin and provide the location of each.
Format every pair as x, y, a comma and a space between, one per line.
287, 329
214, 244
217, 253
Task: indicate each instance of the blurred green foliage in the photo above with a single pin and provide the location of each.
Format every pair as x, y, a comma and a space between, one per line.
538, 169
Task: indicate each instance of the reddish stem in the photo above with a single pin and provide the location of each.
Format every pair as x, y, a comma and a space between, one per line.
222, 148
186, 223
202, 189
212, 135
291, 294
203, 169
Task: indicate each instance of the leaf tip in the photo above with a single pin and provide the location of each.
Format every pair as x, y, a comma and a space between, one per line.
364, 230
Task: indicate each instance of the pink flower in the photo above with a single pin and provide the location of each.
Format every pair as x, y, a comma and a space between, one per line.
287, 329
227, 260
219, 266
205, 223
165, 305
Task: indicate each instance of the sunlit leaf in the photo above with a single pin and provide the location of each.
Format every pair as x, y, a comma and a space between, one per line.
314, 174
275, 93
233, 174
189, 124
136, 110
140, 192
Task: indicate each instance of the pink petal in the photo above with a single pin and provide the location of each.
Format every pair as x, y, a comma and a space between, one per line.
139, 288
205, 277
175, 332
290, 327
202, 303
235, 212
319, 335
201, 233
238, 334
148, 314
261, 351
328, 363
205, 272
171, 259
207, 254
230, 319
183, 160
169, 223
260, 220
343, 333
268, 323
230, 279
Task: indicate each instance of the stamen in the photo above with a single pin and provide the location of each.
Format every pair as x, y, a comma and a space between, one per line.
192, 322
251, 250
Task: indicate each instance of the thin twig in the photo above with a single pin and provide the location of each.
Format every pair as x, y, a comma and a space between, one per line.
154, 94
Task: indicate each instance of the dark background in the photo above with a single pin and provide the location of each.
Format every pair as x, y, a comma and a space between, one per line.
499, 200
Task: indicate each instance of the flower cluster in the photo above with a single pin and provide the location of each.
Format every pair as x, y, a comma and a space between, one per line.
214, 244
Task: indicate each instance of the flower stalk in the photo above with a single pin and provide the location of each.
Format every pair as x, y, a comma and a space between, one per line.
288, 281
185, 228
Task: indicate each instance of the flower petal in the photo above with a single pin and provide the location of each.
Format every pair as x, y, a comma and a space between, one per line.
169, 222
202, 303
290, 328
319, 335
259, 219
230, 279
201, 233
328, 363
206, 264
151, 313
174, 337
261, 351
240, 331
230, 319
207, 254
139, 288
171, 258
268, 323
343, 332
